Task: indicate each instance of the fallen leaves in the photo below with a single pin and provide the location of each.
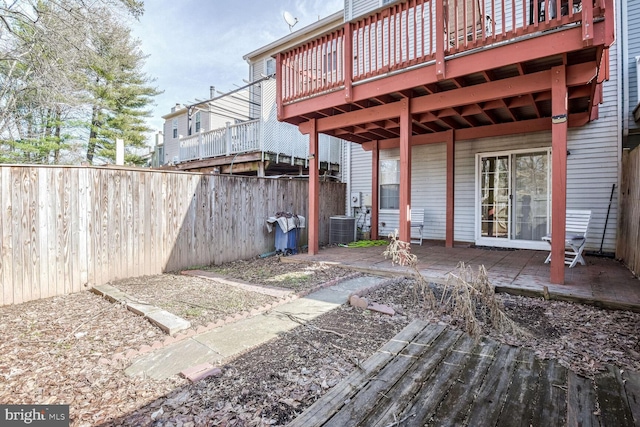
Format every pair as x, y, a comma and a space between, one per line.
51, 351
59, 350
582, 338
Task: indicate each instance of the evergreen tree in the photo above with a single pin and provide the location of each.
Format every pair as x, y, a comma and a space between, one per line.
58, 83
120, 93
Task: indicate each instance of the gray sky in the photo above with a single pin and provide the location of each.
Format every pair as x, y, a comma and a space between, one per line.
194, 44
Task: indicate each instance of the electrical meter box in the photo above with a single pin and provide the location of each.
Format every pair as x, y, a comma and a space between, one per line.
356, 199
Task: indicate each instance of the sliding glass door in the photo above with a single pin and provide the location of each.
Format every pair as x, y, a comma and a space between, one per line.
514, 195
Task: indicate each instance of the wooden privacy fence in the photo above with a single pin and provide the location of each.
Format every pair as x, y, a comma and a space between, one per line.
628, 246
65, 229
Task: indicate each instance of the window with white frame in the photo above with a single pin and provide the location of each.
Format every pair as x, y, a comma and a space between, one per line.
198, 122
270, 66
389, 184
174, 127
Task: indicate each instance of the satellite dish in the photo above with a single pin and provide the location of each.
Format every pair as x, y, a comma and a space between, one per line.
290, 20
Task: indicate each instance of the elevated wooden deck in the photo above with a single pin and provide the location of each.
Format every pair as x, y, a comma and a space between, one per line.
428, 375
419, 72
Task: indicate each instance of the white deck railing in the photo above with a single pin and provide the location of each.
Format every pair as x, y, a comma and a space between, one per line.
226, 141
245, 137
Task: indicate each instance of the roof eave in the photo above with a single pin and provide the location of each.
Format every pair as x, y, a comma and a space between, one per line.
338, 16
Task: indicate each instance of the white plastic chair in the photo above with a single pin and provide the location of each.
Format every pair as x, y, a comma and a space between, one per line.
575, 237
417, 222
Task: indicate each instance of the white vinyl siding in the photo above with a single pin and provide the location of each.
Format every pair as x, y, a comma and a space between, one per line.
359, 176
592, 169
279, 137
428, 187
256, 90
356, 8
171, 144
633, 45
593, 166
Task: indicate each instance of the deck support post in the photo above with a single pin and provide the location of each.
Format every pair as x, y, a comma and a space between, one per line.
559, 99
375, 170
451, 140
348, 61
587, 23
405, 170
314, 190
440, 41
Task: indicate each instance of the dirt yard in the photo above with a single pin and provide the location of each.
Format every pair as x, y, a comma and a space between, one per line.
60, 350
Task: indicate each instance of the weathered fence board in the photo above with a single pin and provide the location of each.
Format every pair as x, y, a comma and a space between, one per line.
456, 380
628, 247
64, 229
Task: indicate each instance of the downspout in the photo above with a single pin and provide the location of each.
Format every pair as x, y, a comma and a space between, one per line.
348, 176
623, 91
622, 53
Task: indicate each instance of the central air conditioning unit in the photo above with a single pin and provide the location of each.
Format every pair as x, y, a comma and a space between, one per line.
342, 229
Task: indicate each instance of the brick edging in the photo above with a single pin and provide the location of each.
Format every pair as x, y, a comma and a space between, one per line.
181, 336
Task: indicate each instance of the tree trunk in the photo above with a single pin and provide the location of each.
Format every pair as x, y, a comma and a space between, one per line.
56, 152
91, 147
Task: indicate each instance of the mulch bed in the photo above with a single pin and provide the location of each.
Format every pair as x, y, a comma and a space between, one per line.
200, 301
53, 351
583, 338
271, 272
272, 384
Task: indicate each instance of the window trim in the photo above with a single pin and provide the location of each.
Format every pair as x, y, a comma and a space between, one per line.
174, 128
198, 121
266, 65
397, 161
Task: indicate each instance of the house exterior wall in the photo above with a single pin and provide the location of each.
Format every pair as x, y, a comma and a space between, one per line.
171, 144
281, 137
592, 169
356, 8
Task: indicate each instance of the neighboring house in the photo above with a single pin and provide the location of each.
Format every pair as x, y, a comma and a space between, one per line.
238, 133
157, 156
185, 122
492, 116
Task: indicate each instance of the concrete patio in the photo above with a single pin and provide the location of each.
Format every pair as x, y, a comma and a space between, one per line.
603, 282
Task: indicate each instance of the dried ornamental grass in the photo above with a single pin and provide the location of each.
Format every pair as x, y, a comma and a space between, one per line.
466, 295
472, 297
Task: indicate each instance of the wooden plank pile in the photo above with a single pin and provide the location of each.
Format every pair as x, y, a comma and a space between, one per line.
429, 375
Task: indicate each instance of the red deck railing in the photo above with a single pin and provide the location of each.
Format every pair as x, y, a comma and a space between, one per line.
418, 32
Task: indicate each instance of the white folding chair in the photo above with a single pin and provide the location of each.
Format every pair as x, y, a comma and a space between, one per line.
417, 223
575, 237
